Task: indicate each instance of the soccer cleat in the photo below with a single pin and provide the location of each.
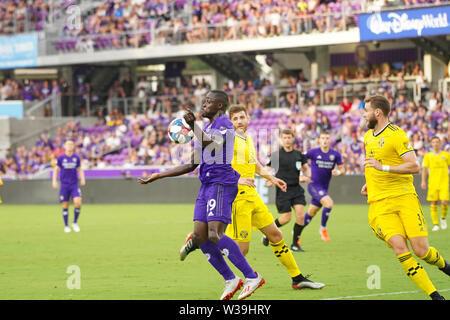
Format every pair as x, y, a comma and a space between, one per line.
188, 246
265, 241
446, 268
250, 286
435, 228
324, 235
436, 296
295, 248
67, 229
75, 227
443, 224
306, 283
231, 287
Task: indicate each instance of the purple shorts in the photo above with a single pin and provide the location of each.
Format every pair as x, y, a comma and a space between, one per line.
317, 193
68, 191
214, 202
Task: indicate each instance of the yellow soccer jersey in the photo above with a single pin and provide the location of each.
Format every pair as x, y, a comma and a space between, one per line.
1, 183
387, 147
244, 162
438, 169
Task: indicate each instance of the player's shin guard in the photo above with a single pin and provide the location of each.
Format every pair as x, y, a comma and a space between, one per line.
434, 214
234, 254
284, 255
416, 273
444, 211
325, 215
65, 213
433, 257
76, 213
215, 258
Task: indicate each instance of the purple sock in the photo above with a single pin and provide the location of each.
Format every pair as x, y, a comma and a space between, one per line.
325, 215
76, 214
215, 258
65, 213
308, 219
234, 254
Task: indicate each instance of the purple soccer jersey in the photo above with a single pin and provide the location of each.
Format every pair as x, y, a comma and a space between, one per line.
219, 179
321, 166
215, 164
68, 166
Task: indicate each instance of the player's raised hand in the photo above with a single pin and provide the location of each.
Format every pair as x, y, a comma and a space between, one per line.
372, 163
280, 184
189, 117
247, 182
150, 179
364, 190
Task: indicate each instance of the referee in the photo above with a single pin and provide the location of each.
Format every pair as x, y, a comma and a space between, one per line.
288, 164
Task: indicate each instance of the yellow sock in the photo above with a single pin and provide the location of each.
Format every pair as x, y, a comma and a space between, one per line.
433, 257
444, 210
284, 255
416, 272
434, 214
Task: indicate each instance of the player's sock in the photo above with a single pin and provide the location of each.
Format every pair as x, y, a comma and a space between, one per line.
444, 211
297, 232
284, 255
416, 272
76, 213
215, 258
308, 219
234, 254
278, 223
65, 213
434, 214
325, 215
433, 257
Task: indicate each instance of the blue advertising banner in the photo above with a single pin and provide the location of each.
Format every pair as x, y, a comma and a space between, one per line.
18, 51
11, 109
411, 23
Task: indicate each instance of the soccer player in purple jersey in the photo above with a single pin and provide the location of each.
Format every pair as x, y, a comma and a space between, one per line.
219, 188
69, 170
322, 162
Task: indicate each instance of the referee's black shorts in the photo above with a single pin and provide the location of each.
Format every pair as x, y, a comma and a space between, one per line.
286, 200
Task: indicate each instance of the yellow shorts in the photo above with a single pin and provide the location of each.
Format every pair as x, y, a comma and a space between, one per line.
245, 215
401, 215
435, 194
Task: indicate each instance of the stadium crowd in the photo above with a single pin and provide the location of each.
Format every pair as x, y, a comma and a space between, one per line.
127, 141
133, 23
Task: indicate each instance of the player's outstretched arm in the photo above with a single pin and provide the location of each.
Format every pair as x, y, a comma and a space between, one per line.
409, 166
177, 171
266, 174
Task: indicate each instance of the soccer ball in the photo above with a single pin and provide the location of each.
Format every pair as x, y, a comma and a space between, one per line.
180, 131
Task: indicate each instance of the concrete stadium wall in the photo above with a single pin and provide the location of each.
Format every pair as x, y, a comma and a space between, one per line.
343, 190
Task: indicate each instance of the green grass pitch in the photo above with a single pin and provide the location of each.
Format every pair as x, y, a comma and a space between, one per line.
131, 252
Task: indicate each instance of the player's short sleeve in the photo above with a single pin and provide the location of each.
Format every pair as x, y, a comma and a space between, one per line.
308, 154
448, 158
302, 158
59, 161
402, 145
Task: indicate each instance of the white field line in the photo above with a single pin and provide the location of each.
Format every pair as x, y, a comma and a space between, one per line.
379, 294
